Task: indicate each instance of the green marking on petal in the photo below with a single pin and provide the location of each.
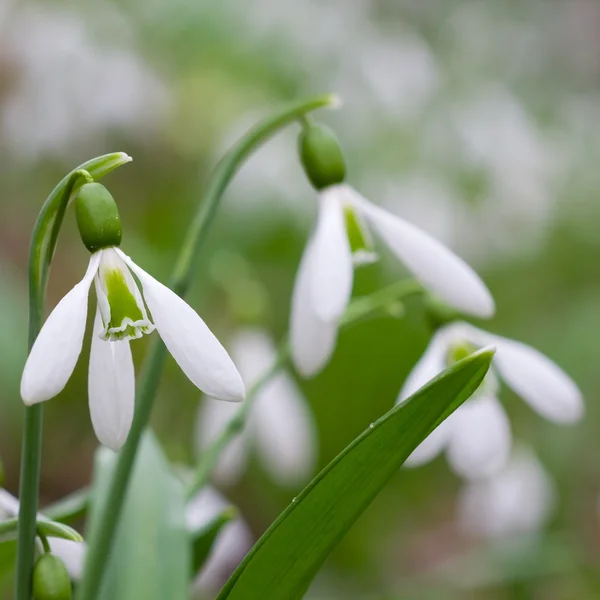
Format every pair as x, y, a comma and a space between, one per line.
123, 305
357, 233
458, 351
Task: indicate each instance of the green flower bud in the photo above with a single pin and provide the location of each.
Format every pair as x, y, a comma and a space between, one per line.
50, 579
321, 156
97, 217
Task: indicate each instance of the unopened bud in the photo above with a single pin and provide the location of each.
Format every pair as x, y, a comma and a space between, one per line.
97, 217
321, 156
50, 579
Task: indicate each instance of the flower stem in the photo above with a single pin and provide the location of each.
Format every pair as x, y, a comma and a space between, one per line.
43, 244
100, 543
357, 311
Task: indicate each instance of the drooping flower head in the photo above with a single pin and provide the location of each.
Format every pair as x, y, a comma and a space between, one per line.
342, 239
518, 500
126, 309
477, 437
280, 426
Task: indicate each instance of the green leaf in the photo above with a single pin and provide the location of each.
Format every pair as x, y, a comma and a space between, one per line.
284, 561
70, 508
151, 553
204, 538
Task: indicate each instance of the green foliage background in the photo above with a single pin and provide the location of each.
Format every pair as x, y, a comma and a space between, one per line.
478, 120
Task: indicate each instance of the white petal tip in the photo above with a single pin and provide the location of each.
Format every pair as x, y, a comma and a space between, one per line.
31, 397
307, 369
233, 395
335, 101
484, 306
125, 157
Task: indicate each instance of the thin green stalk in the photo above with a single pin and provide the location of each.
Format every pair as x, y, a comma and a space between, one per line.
357, 311
43, 244
99, 549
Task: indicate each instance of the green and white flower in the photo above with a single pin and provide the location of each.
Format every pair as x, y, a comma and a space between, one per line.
125, 311
339, 242
477, 437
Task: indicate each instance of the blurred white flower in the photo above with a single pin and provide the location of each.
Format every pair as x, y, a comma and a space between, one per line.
517, 500
324, 281
280, 425
231, 545
120, 316
477, 436
70, 552
68, 88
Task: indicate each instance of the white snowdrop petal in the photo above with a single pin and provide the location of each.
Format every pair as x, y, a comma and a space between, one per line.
232, 543
332, 273
212, 417
9, 505
111, 388
71, 553
312, 340
538, 380
481, 438
431, 446
285, 431
432, 263
431, 364
58, 346
517, 500
191, 343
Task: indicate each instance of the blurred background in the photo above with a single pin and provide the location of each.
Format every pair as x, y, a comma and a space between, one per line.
477, 120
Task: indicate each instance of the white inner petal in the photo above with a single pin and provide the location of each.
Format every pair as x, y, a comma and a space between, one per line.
122, 308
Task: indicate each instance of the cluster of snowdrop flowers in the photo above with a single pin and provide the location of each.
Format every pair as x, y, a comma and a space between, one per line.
477, 437
280, 425
342, 240
125, 311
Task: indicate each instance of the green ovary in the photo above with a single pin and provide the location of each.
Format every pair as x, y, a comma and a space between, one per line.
122, 304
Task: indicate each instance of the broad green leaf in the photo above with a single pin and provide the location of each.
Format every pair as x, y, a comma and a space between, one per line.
284, 561
151, 553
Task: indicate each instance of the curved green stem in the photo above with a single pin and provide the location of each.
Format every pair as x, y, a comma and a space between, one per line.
43, 244
100, 540
357, 311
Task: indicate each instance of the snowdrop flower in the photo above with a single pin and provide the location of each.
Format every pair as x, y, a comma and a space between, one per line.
280, 426
477, 436
341, 240
121, 315
517, 500
231, 545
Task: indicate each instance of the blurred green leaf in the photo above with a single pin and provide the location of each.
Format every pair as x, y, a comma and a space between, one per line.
151, 554
69, 509
204, 538
284, 561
